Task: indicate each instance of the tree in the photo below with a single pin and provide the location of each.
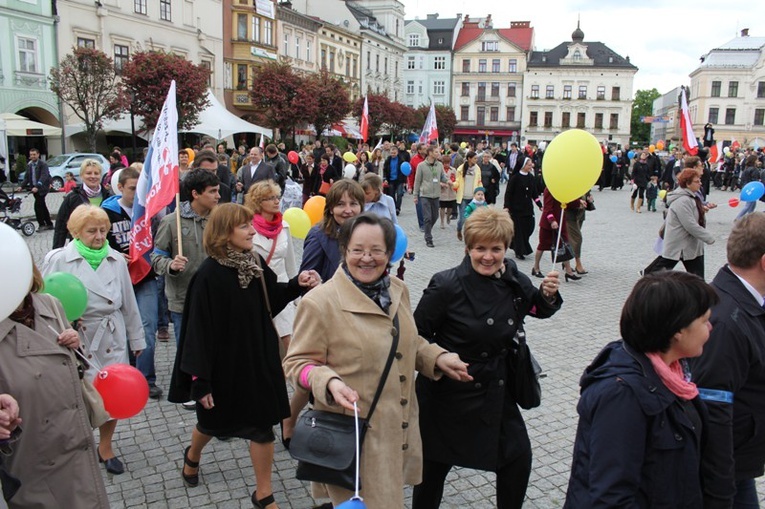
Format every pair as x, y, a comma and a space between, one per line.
445, 119
642, 106
330, 96
379, 104
147, 78
86, 81
400, 119
283, 97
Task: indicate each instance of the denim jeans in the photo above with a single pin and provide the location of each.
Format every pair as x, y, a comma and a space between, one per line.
176, 318
461, 213
146, 297
163, 320
746, 495
399, 189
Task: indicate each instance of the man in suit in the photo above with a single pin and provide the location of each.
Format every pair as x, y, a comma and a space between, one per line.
255, 171
514, 159
37, 181
334, 159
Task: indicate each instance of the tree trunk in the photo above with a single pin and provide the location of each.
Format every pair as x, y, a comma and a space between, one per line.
92, 133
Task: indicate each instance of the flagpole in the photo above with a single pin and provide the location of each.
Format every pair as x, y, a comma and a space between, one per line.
178, 222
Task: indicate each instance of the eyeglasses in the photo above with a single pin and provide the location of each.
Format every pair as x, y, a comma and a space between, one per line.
272, 198
377, 254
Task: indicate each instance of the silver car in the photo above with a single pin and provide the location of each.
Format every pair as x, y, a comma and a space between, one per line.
63, 163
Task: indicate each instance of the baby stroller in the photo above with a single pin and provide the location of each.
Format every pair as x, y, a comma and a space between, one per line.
12, 205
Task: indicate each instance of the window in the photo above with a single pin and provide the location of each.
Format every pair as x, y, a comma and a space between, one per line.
760, 89
207, 65
241, 77
601, 93
548, 118
165, 10
308, 49
268, 26
395, 68
580, 119
565, 120
481, 91
27, 54
614, 121
512, 65
577, 55
369, 61
286, 44
139, 6
332, 61
730, 116
410, 87
241, 27
466, 65
377, 63
323, 58
716, 85
511, 113
494, 114
439, 87
439, 63
535, 91
256, 29
714, 115
83, 42
409, 62
733, 89
598, 121
482, 65
495, 89
490, 46
533, 118
465, 89
419, 87
616, 93
511, 89
348, 66
567, 91
465, 113
121, 57
297, 48
414, 40
480, 115
550, 92
495, 65
759, 116
582, 91
385, 66
355, 64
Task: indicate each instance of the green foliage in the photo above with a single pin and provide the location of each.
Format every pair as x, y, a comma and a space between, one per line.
642, 106
21, 164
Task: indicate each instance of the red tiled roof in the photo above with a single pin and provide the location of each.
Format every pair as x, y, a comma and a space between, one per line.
520, 36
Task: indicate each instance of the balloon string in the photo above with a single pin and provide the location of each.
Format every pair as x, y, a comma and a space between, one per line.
91, 362
358, 451
560, 232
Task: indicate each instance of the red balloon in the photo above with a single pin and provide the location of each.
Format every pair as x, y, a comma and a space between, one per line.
123, 389
735, 145
733, 202
293, 157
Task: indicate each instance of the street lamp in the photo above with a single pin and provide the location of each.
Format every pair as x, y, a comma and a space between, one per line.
132, 124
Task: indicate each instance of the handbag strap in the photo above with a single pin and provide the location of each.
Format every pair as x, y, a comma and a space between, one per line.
386, 370
262, 278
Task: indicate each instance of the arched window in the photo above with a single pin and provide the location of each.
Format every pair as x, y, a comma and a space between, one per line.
577, 55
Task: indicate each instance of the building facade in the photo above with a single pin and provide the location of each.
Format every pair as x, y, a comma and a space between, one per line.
666, 107
340, 55
728, 91
578, 84
428, 60
488, 67
298, 37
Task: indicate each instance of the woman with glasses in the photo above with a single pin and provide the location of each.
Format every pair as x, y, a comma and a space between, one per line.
685, 226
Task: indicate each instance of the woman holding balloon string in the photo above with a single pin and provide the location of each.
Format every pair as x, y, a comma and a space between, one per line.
111, 320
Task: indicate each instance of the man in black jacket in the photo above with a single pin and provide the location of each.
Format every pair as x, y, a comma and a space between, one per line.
730, 374
37, 180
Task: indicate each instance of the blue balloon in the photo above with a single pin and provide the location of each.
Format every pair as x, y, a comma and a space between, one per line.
631, 154
753, 191
354, 503
613, 159
406, 168
401, 243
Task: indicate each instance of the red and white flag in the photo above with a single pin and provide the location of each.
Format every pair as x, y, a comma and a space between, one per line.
716, 152
364, 129
690, 144
430, 129
262, 143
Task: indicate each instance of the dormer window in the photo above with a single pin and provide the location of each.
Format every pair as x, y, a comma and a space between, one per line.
490, 46
577, 55
414, 40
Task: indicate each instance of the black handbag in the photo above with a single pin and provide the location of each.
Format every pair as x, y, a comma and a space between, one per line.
564, 254
525, 372
324, 443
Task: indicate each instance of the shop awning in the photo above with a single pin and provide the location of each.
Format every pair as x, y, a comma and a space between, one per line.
16, 125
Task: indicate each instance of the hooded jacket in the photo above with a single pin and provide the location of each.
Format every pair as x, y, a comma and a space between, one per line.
636, 446
684, 237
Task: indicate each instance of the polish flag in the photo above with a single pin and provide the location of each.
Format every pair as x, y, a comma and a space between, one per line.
690, 144
430, 129
364, 129
716, 152
262, 143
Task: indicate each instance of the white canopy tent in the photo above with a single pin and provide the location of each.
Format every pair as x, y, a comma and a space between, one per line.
3, 142
119, 126
16, 125
216, 121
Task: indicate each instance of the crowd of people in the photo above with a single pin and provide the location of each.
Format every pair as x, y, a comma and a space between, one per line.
669, 415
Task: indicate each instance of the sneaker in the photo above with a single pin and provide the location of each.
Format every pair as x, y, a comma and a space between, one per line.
189, 405
459, 235
429, 244
155, 392
163, 334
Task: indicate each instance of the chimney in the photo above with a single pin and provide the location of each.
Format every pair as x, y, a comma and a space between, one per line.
433, 16
744, 32
627, 58
488, 23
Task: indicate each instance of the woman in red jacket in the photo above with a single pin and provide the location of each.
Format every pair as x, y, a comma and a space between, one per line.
548, 235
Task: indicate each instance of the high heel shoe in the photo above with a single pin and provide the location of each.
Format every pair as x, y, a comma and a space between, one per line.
263, 502
572, 277
536, 273
581, 272
192, 481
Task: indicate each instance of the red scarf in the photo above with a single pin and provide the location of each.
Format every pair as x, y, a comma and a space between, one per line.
269, 229
673, 377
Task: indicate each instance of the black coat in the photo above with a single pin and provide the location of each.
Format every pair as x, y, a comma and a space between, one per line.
475, 424
490, 181
641, 174
229, 342
733, 361
637, 445
520, 195
42, 181
70, 202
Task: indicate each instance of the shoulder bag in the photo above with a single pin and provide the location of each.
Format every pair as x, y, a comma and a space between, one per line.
324, 443
524, 373
564, 252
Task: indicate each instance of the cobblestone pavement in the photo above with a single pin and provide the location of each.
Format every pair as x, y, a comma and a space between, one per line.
617, 243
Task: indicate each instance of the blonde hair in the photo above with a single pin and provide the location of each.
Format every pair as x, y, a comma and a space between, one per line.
221, 224
371, 181
86, 214
258, 192
487, 224
137, 166
87, 163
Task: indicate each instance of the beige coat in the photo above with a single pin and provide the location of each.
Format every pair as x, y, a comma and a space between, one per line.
55, 458
345, 334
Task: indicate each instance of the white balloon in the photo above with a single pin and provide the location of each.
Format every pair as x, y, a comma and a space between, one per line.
115, 181
349, 171
15, 270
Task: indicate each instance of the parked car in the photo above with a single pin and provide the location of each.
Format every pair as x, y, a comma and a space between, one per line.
63, 163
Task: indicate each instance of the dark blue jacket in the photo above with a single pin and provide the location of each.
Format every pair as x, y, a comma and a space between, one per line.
320, 253
636, 446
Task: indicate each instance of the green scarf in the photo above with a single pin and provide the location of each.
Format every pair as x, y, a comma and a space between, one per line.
94, 257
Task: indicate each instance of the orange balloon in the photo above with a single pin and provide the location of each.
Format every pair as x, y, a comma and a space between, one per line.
660, 145
651, 148
190, 152
314, 207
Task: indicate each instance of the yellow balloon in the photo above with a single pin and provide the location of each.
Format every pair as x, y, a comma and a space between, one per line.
299, 222
314, 207
191, 154
463, 144
572, 164
662, 194
350, 157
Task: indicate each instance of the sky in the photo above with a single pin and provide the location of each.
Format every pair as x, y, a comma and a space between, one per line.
664, 52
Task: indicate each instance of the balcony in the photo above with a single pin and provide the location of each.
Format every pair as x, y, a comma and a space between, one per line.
30, 80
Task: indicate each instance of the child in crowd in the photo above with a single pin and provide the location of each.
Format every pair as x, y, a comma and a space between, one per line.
70, 183
652, 192
479, 200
